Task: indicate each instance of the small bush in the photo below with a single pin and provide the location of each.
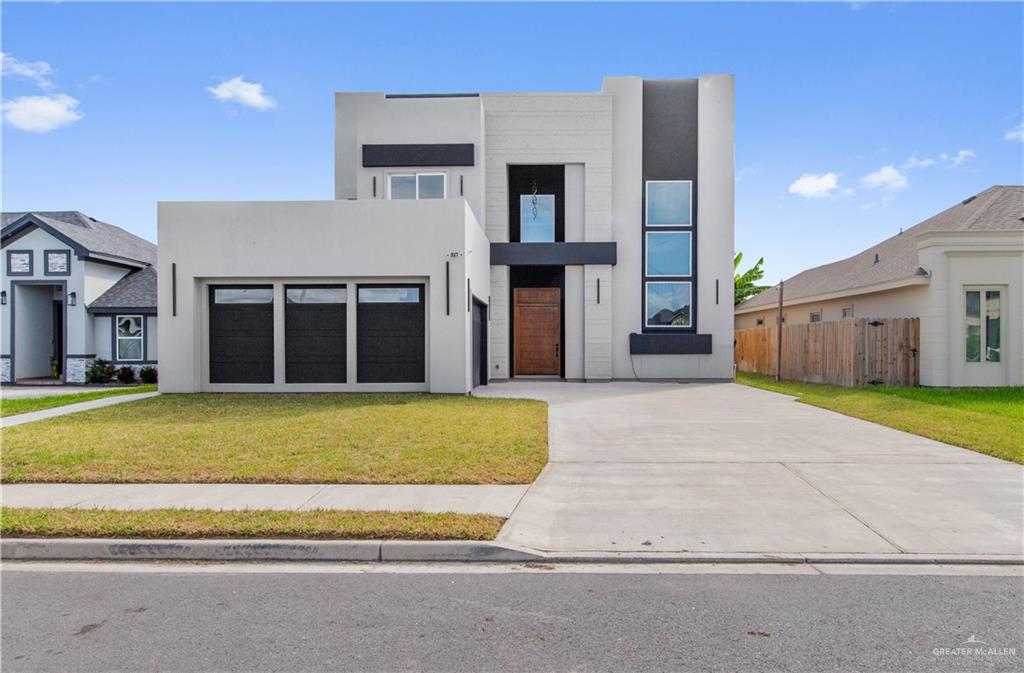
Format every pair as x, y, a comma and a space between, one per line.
100, 371
148, 374
126, 375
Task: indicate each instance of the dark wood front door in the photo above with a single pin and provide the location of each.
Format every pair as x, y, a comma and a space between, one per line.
538, 321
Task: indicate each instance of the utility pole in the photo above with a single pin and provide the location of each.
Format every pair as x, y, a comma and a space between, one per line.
778, 339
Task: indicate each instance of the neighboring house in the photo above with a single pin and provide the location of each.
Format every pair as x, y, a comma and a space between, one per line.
473, 238
961, 272
74, 289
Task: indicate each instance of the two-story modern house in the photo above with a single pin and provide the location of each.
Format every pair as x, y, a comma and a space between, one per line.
472, 238
74, 289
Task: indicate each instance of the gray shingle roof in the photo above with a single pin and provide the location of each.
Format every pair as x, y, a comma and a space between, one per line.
996, 208
136, 290
96, 237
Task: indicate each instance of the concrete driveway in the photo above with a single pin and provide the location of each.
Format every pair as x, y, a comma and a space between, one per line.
727, 468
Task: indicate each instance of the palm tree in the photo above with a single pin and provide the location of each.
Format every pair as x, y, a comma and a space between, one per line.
746, 282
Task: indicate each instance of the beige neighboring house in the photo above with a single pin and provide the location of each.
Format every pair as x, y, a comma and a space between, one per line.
961, 272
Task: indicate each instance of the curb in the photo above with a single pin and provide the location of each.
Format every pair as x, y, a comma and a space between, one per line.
397, 551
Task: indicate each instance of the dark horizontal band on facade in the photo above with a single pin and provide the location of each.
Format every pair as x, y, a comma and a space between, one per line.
438, 154
553, 254
669, 344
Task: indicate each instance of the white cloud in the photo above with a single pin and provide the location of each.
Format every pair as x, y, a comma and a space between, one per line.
814, 186
915, 162
888, 178
1016, 134
41, 114
237, 90
958, 158
37, 71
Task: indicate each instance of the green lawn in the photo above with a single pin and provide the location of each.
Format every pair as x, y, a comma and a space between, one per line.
27, 404
286, 438
987, 420
185, 523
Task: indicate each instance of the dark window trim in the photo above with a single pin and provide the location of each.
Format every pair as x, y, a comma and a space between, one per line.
145, 340
554, 254
46, 262
691, 278
683, 343
31, 263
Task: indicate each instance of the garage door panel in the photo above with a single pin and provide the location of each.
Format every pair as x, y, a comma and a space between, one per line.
315, 342
241, 338
391, 340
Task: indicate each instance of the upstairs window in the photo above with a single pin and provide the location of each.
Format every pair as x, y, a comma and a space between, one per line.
537, 218
815, 316
668, 265
668, 203
417, 186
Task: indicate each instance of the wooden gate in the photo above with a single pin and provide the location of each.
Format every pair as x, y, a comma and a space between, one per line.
843, 352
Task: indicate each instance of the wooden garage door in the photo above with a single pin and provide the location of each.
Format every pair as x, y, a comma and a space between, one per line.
315, 320
391, 334
538, 320
242, 334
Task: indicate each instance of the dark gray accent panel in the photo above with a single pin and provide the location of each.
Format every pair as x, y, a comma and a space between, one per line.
439, 154
391, 341
553, 254
431, 95
669, 344
670, 130
241, 342
670, 153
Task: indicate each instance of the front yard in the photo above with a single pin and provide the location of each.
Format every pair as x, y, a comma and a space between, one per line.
286, 438
986, 420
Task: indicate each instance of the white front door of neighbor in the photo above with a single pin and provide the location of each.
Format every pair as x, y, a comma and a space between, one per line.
985, 335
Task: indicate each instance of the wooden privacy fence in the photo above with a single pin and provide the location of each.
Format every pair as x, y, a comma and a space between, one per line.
843, 352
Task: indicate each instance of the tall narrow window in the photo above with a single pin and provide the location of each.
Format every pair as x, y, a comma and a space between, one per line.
537, 218
129, 337
668, 270
983, 325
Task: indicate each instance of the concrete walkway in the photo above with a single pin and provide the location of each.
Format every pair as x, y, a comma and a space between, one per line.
727, 468
21, 391
496, 500
19, 419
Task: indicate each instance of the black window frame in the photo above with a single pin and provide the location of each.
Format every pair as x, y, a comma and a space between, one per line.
691, 279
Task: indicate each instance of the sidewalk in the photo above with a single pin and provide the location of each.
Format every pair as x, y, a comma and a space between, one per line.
469, 499
19, 419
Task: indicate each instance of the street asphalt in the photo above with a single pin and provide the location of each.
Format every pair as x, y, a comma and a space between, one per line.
513, 618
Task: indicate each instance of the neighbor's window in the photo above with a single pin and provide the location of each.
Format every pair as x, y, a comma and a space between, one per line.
847, 312
129, 337
669, 203
668, 253
537, 218
389, 295
983, 320
668, 304
416, 186
58, 262
815, 316
760, 321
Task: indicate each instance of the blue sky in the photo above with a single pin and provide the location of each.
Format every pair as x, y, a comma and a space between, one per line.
852, 120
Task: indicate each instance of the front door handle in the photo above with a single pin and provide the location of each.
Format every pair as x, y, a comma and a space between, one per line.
557, 347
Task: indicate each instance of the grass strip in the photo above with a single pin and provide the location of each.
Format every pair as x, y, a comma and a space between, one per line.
203, 523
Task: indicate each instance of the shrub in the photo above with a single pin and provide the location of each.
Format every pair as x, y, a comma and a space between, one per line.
126, 375
148, 374
100, 371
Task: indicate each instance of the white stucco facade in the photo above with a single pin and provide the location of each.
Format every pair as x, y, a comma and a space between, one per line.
588, 148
